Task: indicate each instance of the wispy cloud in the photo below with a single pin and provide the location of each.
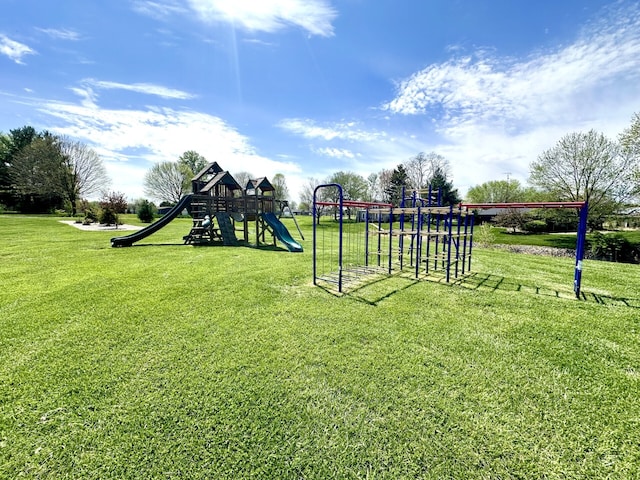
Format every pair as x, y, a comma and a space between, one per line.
147, 88
14, 50
335, 152
313, 16
544, 87
61, 33
339, 130
161, 10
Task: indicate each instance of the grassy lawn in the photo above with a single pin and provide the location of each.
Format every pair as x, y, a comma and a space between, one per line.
165, 361
558, 240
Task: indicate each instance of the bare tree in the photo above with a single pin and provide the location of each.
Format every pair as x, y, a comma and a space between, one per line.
421, 168
306, 196
630, 141
586, 167
86, 173
384, 184
243, 178
165, 182
373, 190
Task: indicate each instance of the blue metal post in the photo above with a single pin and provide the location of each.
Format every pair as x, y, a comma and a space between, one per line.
580, 247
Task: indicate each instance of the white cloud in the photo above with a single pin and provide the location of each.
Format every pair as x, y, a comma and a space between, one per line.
339, 130
313, 16
160, 10
14, 50
146, 88
335, 152
130, 141
496, 115
547, 87
61, 33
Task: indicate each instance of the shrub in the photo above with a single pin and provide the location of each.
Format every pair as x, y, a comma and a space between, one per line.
535, 226
614, 248
484, 235
108, 216
146, 211
90, 216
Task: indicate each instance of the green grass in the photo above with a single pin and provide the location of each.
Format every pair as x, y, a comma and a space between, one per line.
165, 361
557, 240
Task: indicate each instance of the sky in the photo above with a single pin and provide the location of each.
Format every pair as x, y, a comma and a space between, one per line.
307, 88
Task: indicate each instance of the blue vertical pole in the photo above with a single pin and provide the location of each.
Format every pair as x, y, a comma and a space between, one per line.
390, 237
449, 242
472, 220
580, 247
366, 237
418, 241
464, 247
340, 239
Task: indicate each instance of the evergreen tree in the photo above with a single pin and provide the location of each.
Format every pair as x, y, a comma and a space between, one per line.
449, 195
399, 179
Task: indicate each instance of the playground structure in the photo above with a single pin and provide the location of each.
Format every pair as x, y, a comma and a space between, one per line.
221, 209
420, 236
581, 235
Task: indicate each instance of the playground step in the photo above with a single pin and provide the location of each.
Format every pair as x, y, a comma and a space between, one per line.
227, 230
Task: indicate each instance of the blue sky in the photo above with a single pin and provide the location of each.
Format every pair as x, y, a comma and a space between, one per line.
310, 87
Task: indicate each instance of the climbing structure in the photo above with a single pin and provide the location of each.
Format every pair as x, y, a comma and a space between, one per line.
420, 236
222, 210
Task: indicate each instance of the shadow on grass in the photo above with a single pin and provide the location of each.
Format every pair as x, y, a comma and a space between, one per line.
371, 289
374, 289
487, 281
268, 248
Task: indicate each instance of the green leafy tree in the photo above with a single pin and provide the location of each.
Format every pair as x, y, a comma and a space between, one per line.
10, 145
354, 187
38, 175
146, 211
497, 191
586, 167
280, 184
190, 163
165, 181
193, 161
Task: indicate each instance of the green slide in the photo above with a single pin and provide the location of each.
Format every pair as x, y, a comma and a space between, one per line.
281, 232
128, 240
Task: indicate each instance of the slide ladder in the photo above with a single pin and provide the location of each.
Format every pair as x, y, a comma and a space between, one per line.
227, 231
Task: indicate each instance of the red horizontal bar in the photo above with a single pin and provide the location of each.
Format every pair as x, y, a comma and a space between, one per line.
353, 203
525, 205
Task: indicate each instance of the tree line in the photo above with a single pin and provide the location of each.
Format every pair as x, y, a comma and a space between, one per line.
169, 181
41, 172
582, 166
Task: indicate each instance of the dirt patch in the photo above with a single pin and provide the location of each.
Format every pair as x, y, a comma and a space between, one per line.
98, 227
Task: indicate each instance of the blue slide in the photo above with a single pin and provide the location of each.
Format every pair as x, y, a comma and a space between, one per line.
128, 240
281, 232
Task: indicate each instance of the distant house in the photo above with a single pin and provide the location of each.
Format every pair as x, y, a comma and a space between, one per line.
626, 218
